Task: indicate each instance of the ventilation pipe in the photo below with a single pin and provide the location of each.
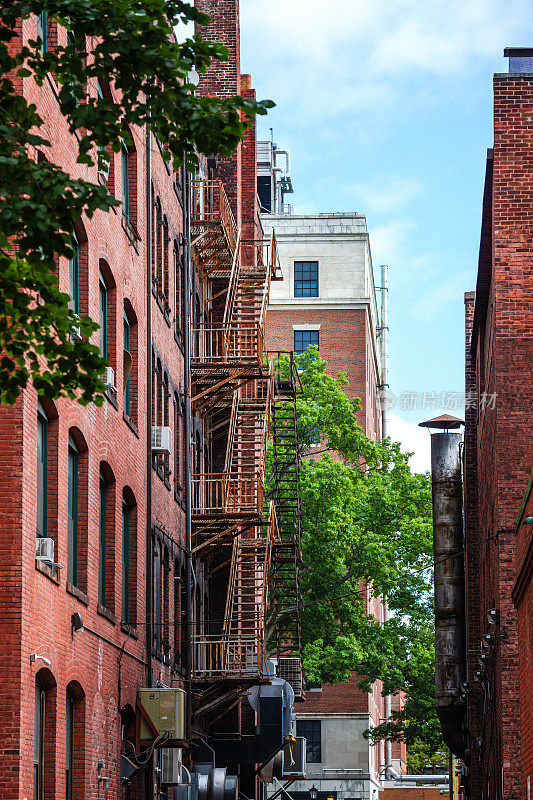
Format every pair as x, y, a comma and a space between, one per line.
448, 554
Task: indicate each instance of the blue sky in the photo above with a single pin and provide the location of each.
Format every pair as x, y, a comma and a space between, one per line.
386, 106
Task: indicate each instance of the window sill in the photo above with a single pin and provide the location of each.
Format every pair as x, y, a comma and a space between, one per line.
131, 231
178, 338
131, 425
161, 474
111, 397
81, 596
52, 573
105, 612
131, 630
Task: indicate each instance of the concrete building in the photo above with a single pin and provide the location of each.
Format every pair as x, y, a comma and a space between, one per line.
328, 298
499, 455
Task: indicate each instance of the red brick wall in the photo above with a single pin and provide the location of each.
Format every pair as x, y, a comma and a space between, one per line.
523, 599
406, 793
35, 609
502, 347
222, 80
344, 342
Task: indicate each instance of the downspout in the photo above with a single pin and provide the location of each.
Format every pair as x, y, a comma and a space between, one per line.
188, 429
389, 771
149, 560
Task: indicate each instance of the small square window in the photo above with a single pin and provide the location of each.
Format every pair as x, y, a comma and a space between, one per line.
302, 340
306, 278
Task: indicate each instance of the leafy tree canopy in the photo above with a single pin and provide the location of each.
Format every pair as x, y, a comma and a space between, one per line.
366, 522
127, 45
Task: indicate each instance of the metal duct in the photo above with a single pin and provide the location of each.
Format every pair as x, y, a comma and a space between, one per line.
450, 634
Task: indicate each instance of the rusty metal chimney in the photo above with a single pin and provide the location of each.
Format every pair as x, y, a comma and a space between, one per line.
448, 555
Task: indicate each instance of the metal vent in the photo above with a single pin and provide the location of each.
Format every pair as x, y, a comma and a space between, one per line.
290, 669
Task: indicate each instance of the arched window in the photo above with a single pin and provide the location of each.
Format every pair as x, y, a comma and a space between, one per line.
165, 286
74, 742
44, 735
130, 361
77, 490
42, 472
106, 526
129, 558
73, 512
128, 162
74, 277
107, 309
158, 595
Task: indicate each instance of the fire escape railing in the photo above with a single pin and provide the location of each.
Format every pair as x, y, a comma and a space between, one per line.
233, 390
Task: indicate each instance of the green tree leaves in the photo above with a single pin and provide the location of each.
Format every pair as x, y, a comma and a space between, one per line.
128, 50
367, 534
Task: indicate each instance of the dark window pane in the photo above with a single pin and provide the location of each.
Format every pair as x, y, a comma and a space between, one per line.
103, 542
303, 339
73, 478
127, 344
74, 278
103, 318
306, 278
311, 730
125, 562
125, 181
42, 476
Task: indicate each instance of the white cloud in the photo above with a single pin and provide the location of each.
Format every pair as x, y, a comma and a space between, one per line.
435, 298
387, 192
413, 440
364, 54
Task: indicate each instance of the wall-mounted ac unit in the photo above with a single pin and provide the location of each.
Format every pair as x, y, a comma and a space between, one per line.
161, 439
161, 710
44, 550
109, 378
75, 334
290, 670
103, 172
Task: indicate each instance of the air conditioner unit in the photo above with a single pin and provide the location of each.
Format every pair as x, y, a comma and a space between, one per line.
75, 334
103, 173
161, 710
44, 550
109, 378
161, 439
290, 670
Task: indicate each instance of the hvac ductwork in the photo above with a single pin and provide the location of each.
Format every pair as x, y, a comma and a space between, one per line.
450, 634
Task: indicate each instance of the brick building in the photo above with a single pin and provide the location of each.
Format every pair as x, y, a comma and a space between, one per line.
499, 452
143, 577
328, 298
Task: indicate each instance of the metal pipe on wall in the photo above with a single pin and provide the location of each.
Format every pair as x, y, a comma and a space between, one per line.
448, 553
149, 561
188, 428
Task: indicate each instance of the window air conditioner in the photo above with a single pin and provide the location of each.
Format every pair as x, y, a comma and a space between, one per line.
109, 378
161, 439
75, 333
44, 550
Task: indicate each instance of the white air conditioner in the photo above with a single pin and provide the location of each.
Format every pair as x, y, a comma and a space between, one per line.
290, 669
75, 334
161, 439
109, 378
44, 550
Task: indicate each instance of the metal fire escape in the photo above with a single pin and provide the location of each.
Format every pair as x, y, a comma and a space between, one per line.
232, 391
286, 636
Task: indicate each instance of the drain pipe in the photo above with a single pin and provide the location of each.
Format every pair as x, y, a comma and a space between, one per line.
389, 771
448, 554
149, 560
188, 429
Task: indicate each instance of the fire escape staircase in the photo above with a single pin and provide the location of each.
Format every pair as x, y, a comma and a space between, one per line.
285, 639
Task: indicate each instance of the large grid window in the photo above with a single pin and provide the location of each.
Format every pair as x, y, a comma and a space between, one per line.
302, 340
306, 278
311, 730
